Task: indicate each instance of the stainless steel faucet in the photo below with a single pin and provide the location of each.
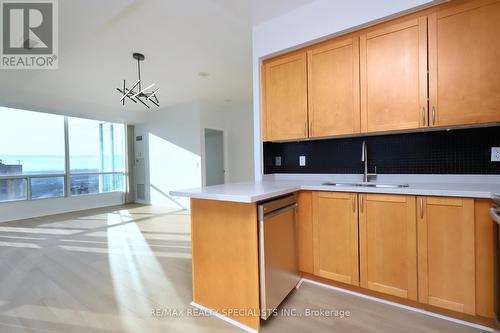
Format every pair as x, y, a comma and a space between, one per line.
364, 158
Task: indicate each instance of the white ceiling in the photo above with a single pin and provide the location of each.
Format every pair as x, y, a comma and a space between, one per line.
179, 38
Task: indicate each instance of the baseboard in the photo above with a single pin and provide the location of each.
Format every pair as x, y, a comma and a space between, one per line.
224, 318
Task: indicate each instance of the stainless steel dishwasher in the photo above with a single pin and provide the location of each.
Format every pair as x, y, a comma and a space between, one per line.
495, 215
277, 252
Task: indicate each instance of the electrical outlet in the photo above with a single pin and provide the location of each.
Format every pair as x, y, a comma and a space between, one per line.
302, 161
277, 161
495, 154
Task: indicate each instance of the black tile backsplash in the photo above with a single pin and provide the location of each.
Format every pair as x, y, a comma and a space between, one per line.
457, 151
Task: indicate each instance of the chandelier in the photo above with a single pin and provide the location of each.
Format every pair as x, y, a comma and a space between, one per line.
136, 93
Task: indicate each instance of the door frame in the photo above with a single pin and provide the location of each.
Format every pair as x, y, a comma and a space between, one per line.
203, 157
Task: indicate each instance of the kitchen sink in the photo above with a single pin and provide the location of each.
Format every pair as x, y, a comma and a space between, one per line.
367, 185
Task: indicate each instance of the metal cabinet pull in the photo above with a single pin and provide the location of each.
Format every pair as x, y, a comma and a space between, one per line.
421, 201
423, 116
433, 115
495, 215
353, 200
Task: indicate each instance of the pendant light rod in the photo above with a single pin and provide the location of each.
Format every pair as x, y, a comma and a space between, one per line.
139, 73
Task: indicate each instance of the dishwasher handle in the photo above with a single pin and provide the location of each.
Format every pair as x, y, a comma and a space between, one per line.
495, 214
278, 211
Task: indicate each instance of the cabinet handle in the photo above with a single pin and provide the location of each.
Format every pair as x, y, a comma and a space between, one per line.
423, 116
353, 200
433, 115
305, 129
361, 202
421, 202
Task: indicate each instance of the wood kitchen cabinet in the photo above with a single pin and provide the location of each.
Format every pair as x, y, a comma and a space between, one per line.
435, 250
387, 243
393, 69
437, 67
464, 71
484, 252
285, 98
335, 229
446, 253
333, 87
304, 227
225, 258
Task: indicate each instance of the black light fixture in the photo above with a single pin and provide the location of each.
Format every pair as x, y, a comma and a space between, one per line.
141, 95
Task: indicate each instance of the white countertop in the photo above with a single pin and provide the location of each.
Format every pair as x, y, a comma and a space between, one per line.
276, 185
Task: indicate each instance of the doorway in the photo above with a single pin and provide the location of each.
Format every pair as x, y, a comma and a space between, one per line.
214, 157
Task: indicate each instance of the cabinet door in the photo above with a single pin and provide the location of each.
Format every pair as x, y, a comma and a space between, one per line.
485, 252
335, 223
446, 267
305, 232
333, 88
464, 70
285, 97
388, 244
394, 76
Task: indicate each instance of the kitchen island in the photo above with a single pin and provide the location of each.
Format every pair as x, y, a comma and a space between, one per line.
440, 214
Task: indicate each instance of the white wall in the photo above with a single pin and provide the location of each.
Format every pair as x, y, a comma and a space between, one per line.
317, 20
173, 148
171, 152
236, 121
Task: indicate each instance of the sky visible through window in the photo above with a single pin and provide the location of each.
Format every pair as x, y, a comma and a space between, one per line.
36, 140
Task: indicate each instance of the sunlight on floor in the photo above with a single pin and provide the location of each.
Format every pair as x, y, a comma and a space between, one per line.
131, 259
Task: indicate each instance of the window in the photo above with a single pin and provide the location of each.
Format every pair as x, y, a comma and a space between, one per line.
95, 146
97, 156
33, 161
95, 183
13, 189
47, 187
32, 142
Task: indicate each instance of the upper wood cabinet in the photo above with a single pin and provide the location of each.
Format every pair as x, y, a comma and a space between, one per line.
333, 88
388, 244
464, 66
394, 76
335, 230
285, 98
438, 67
446, 262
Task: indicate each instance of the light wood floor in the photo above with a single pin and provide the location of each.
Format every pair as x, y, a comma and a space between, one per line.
106, 270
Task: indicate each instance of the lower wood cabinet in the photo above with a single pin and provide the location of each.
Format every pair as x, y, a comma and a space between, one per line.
304, 228
435, 250
387, 243
446, 261
335, 241
485, 252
